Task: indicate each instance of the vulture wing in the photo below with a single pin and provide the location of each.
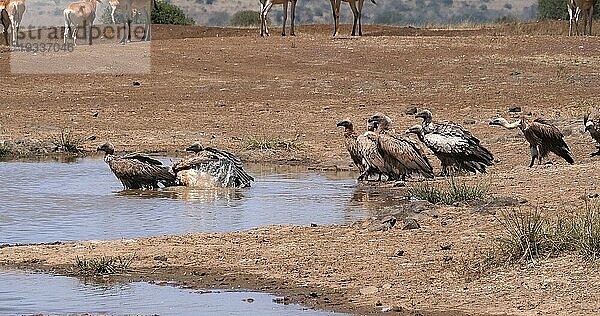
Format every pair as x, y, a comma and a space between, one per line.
369, 153
403, 156
549, 138
226, 167
142, 158
352, 146
141, 174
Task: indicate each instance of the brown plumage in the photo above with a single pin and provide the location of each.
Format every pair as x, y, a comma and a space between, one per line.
363, 152
402, 156
137, 171
592, 125
222, 167
543, 138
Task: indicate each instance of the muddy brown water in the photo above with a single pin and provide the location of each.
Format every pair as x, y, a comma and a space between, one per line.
28, 293
82, 200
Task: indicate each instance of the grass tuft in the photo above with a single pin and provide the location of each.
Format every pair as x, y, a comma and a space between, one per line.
274, 143
453, 192
5, 151
68, 142
528, 235
104, 265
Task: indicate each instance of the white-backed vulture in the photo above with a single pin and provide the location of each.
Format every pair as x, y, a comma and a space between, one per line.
592, 125
137, 171
402, 156
454, 152
455, 147
220, 167
363, 152
543, 138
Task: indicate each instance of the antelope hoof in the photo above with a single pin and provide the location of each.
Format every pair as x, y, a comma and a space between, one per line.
292, 34
282, 34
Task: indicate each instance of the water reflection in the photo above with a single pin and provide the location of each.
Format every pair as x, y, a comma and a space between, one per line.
35, 293
49, 201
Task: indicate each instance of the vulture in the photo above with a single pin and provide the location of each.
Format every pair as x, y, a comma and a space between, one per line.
401, 156
593, 126
459, 151
543, 138
363, 152
211, 167
137, 171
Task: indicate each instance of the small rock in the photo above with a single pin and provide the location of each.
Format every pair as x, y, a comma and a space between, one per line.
411, 223
447, 258
313, 225
386, 286
314, 294
281, 300
399, 184
389, 221
248, 300
136, 83
515, 73
378, 304
469, 121
160, 258
411, 111
369, 290
95, 114
446, 247
399, 253
514, 109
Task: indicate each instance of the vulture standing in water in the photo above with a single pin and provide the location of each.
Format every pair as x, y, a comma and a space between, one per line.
401, 156
543, 138
453, 145
211, 167
137, 171
593, 126
363, 152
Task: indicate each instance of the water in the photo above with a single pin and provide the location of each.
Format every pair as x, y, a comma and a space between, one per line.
35, 293
82, 200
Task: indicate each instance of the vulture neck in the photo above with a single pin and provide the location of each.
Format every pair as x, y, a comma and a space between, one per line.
350, 133
513, 125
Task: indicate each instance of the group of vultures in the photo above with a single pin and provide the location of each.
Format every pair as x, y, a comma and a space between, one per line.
379, 154
383, 153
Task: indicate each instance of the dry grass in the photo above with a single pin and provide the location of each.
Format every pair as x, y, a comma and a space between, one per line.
454, 191
68, 142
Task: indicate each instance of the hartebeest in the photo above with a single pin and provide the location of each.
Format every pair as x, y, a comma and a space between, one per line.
80, 13
15, 10
356, 12
142, 6
6, 24
265, 6
576, 7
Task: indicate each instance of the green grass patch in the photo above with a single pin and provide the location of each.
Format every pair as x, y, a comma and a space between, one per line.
104, 265
272, 143
452, 192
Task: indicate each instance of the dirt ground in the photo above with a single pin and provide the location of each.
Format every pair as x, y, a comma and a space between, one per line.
226, 86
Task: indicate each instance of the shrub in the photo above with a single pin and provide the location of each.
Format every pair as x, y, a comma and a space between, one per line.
552, 10
104, 265
68, 142
246, 18
4, 151
168, 13
452, 193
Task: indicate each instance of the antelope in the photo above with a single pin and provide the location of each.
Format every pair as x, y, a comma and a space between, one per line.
357, 12
80, 13
575, 7
6, 24
15, 10
142, 6
265, 6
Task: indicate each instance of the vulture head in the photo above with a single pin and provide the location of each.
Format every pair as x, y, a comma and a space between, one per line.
425, 115
502, 122
195, 148
347, 124
108, 148
417, 130
380, 121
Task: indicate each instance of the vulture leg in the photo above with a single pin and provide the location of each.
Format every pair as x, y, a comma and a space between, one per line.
534, 154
